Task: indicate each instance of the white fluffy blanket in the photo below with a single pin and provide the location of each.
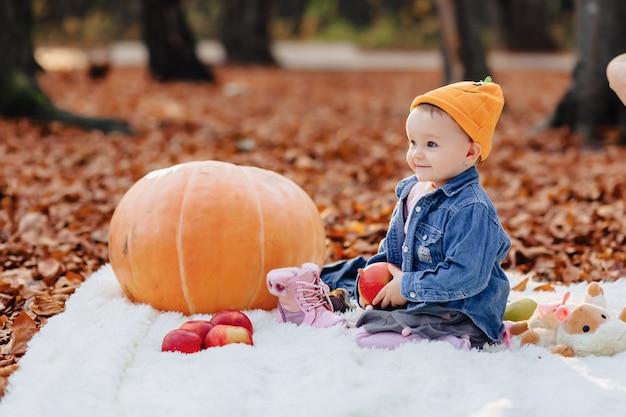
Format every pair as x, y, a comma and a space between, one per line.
102, 357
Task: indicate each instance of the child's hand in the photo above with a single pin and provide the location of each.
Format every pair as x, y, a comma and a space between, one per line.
390, 293
395, 271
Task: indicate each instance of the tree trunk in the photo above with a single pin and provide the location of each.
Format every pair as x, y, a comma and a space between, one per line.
356, 12
171, 45
525, 25
21, 95
293, 10
244, 31
463, 52
590, 104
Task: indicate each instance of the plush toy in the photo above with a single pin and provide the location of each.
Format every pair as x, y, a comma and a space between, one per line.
540, 329
581, 330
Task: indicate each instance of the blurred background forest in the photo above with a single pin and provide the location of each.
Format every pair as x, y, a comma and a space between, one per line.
399, 24
465, 32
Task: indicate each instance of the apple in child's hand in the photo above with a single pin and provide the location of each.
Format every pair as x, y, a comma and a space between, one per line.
232, 318
225, 334
201, 327
181, 340
372, 279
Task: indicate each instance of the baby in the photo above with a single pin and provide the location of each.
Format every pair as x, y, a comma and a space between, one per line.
444, 243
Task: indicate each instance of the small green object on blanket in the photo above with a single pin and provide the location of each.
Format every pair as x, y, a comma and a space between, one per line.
520, 310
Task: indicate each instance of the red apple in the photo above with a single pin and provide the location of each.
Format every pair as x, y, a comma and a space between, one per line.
372, 279
181, 340
201, 327
232, 318
225, 334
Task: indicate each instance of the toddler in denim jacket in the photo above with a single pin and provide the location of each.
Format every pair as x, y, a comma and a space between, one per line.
444, 241
444, 244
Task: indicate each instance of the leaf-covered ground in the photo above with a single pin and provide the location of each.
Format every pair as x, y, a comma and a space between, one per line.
340, 135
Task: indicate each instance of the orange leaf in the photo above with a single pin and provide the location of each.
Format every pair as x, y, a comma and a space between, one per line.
43, 305
49, 268
545, 287
23, 328
521, 286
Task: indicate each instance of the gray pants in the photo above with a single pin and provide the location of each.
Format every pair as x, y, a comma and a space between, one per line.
432, 322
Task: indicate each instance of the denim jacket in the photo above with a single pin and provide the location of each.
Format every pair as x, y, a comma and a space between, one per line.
452, 251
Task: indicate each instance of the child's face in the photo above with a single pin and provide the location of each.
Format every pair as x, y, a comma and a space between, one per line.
439, 149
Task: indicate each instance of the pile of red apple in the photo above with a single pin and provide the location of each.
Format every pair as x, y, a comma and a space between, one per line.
225, 327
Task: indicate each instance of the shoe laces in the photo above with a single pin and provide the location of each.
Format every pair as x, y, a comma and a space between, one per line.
312, 295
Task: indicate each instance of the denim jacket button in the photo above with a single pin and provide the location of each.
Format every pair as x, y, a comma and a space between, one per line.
424, 237
405, 248
418, 209
412, 294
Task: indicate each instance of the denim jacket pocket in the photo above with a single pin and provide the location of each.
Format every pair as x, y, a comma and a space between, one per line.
428, 247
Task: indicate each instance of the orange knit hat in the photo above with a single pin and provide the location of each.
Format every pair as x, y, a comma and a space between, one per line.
475, 106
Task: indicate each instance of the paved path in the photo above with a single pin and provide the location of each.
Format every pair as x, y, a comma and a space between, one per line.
319, 56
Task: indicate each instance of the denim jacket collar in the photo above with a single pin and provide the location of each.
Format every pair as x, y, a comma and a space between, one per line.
457, 183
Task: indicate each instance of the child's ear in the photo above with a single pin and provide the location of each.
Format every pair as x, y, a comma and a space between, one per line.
474, 151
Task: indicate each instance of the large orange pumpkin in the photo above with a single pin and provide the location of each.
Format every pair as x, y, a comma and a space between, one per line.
200, 237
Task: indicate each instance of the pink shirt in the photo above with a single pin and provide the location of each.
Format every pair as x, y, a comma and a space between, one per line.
418, 191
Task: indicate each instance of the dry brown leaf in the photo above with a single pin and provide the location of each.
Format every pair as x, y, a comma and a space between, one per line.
5, 371
49, 268
357, 227
46, 306
3, 385
545, 287
22, 329
521, 286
